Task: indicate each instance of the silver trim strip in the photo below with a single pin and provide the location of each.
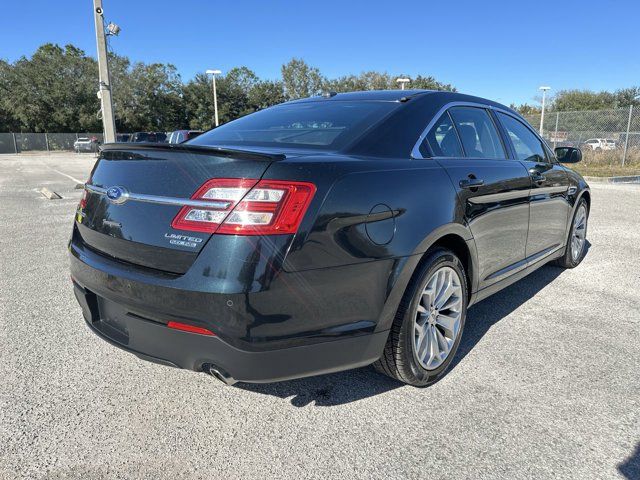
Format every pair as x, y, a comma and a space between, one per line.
524, 263
500, 197
548, 190
159, 200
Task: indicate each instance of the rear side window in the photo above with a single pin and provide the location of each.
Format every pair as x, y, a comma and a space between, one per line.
442, 139
526, 144
477, 132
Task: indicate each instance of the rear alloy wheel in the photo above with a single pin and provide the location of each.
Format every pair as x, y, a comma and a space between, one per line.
428, 325
576, 247
437, 319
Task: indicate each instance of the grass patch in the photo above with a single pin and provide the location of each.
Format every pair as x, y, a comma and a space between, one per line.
607, 164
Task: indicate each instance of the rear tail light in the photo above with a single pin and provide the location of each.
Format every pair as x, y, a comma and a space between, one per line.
83, 199
247, 207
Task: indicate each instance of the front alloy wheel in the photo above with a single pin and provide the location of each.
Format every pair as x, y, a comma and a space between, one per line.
579, 232
576, 247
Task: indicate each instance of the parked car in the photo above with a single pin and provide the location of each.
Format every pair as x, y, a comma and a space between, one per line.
123, 137
180, 136
599, 144
322, 234
86, 144
151, 137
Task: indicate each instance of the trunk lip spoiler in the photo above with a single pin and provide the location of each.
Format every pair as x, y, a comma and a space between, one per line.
157, 199
197, 149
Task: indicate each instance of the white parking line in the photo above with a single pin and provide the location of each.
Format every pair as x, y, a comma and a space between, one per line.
65, 175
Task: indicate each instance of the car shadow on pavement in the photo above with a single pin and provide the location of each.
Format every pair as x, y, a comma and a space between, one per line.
353, 385
483, 315
630, 468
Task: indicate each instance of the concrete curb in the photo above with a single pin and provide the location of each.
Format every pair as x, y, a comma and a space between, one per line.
627, 179
49, 194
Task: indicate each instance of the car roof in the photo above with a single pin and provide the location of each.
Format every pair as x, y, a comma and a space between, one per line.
379, 95
400, 95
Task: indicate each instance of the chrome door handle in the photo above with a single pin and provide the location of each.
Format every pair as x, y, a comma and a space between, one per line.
471, 183
536, 176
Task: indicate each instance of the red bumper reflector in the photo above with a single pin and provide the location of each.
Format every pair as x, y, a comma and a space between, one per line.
189, 328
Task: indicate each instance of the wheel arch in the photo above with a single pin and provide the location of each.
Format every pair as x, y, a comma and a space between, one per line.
586, 194
455, 237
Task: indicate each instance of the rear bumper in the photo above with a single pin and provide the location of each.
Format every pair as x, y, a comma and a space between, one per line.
269, 324
154, 341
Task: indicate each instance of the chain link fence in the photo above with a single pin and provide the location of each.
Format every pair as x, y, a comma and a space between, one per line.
613, 133
45, 142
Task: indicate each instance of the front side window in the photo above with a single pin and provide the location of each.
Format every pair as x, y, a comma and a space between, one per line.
442, 139
526, 144
477, 132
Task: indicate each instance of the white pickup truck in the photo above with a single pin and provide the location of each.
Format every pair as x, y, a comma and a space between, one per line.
599, 144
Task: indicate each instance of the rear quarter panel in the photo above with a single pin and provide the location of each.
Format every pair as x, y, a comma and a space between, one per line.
367, 210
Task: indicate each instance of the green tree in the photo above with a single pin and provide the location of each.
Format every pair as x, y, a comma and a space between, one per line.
54, 90
240, 92
151, 98
301, 80
198, 101
526, 109
570, 100
430, 83
265, 94
7, 121
627, 96
373, 80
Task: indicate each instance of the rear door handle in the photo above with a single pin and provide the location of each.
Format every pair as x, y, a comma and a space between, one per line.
471, 183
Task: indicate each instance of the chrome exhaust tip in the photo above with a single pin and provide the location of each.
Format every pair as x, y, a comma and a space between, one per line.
219, 374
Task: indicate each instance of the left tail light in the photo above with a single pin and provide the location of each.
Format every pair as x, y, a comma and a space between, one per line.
247, 207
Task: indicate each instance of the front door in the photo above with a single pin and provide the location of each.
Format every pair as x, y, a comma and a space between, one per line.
492, 189
549, 209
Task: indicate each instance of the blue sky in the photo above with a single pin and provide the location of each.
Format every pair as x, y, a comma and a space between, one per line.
500, 50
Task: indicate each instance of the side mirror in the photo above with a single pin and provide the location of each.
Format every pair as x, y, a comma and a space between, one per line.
568, 154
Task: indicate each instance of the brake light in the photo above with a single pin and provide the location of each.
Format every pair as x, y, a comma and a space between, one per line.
247, 207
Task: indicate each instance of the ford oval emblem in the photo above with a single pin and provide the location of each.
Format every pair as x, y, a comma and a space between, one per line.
117, 195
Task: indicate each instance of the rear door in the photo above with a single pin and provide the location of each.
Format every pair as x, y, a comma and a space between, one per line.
492, 189
549, 208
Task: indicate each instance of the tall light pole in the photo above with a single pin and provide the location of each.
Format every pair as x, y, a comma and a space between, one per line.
213, 74
403, 82
544, 91
104, 93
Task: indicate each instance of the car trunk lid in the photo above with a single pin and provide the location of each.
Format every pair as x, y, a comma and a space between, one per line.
135, 191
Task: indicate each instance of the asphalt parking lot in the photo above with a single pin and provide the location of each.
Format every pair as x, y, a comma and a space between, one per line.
546, 383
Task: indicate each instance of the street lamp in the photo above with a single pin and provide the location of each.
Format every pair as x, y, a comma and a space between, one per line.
544, 91
213, 74
402, 82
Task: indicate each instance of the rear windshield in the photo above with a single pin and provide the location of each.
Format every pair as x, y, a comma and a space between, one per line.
322, 125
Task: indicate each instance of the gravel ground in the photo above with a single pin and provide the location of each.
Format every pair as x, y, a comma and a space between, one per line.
546, 382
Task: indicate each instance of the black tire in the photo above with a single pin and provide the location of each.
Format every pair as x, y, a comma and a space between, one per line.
399, 359
567, 260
